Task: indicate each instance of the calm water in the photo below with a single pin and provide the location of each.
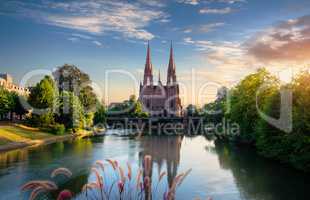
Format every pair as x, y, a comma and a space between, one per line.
218, 171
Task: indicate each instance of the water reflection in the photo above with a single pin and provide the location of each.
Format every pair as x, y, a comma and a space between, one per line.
258, 178
164, 150
8, 158
219, 170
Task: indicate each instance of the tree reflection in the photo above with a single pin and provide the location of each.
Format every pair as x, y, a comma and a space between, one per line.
258, 178
8, 158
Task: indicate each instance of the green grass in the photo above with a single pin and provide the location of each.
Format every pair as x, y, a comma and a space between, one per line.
10, 133
4, 141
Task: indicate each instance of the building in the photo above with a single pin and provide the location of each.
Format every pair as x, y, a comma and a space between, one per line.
6, 81
159, 99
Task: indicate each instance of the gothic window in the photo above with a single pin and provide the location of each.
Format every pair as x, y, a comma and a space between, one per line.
148, 103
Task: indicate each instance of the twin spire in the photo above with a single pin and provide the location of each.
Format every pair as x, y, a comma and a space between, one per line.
171, 76
148, 70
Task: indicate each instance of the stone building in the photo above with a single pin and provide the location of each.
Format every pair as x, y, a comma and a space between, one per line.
6, 81
160, 99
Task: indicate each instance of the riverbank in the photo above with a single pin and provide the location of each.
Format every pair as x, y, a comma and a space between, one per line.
16, 136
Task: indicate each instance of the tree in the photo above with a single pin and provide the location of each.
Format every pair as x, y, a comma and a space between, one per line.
292, 147
244, 101
191, 110
43, 96
18, 107
5, 102
70, 78
71, 112
128, 108
88, 99
100, 115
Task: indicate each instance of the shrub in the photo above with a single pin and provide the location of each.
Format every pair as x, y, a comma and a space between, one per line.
57, 129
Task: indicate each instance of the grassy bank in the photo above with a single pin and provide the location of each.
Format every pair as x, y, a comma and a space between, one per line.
12, 133
14, 136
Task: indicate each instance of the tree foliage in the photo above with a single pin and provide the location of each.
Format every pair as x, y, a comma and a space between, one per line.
71, 79
100, 115
261, 91
18, 105
128, 108
252, 92
6, 102
191, 110
43, 96
292, 147
70, 111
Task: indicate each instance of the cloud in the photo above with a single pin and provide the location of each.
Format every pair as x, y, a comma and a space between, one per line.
203, 28
197, 2
188, 30
190, 2
73, 39
223, 62
94, 16
221, 11
76, 37
229, 1
97, 43
210, 27
82, 36
287, 41
285, 44
153, 3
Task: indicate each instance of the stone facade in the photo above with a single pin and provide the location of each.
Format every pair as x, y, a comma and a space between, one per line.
6, 81
159, 99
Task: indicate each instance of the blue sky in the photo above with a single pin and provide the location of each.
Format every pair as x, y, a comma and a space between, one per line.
219, 41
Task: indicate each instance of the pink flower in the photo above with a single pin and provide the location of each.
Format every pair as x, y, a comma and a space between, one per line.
65, 194
120, 186
147, 182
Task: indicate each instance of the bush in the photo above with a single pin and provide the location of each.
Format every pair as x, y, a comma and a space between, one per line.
57, 129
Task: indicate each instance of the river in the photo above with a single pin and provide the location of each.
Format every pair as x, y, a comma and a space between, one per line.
218, 170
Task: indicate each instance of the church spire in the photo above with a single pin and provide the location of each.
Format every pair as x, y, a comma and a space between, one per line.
148, 70
171, 76
159, 81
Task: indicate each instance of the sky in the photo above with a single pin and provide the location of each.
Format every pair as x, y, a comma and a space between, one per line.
216, 42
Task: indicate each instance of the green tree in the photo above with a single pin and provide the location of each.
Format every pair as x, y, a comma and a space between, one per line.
244, 101
100, 115
44, 94
70, 78
71, 112
5, 102
18, 107
293, 147
191, 110
43, 100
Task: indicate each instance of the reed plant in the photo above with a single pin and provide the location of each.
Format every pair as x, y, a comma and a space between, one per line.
111, 181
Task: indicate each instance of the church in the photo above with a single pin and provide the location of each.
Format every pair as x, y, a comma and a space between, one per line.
160, 100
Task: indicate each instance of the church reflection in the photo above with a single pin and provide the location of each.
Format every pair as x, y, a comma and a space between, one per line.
164, 150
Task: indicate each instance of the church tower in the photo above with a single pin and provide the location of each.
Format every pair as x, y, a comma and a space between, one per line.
160, 100
148, 69
171, 74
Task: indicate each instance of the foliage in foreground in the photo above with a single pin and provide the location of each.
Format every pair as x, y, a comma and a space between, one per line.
121, 185
293, 147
